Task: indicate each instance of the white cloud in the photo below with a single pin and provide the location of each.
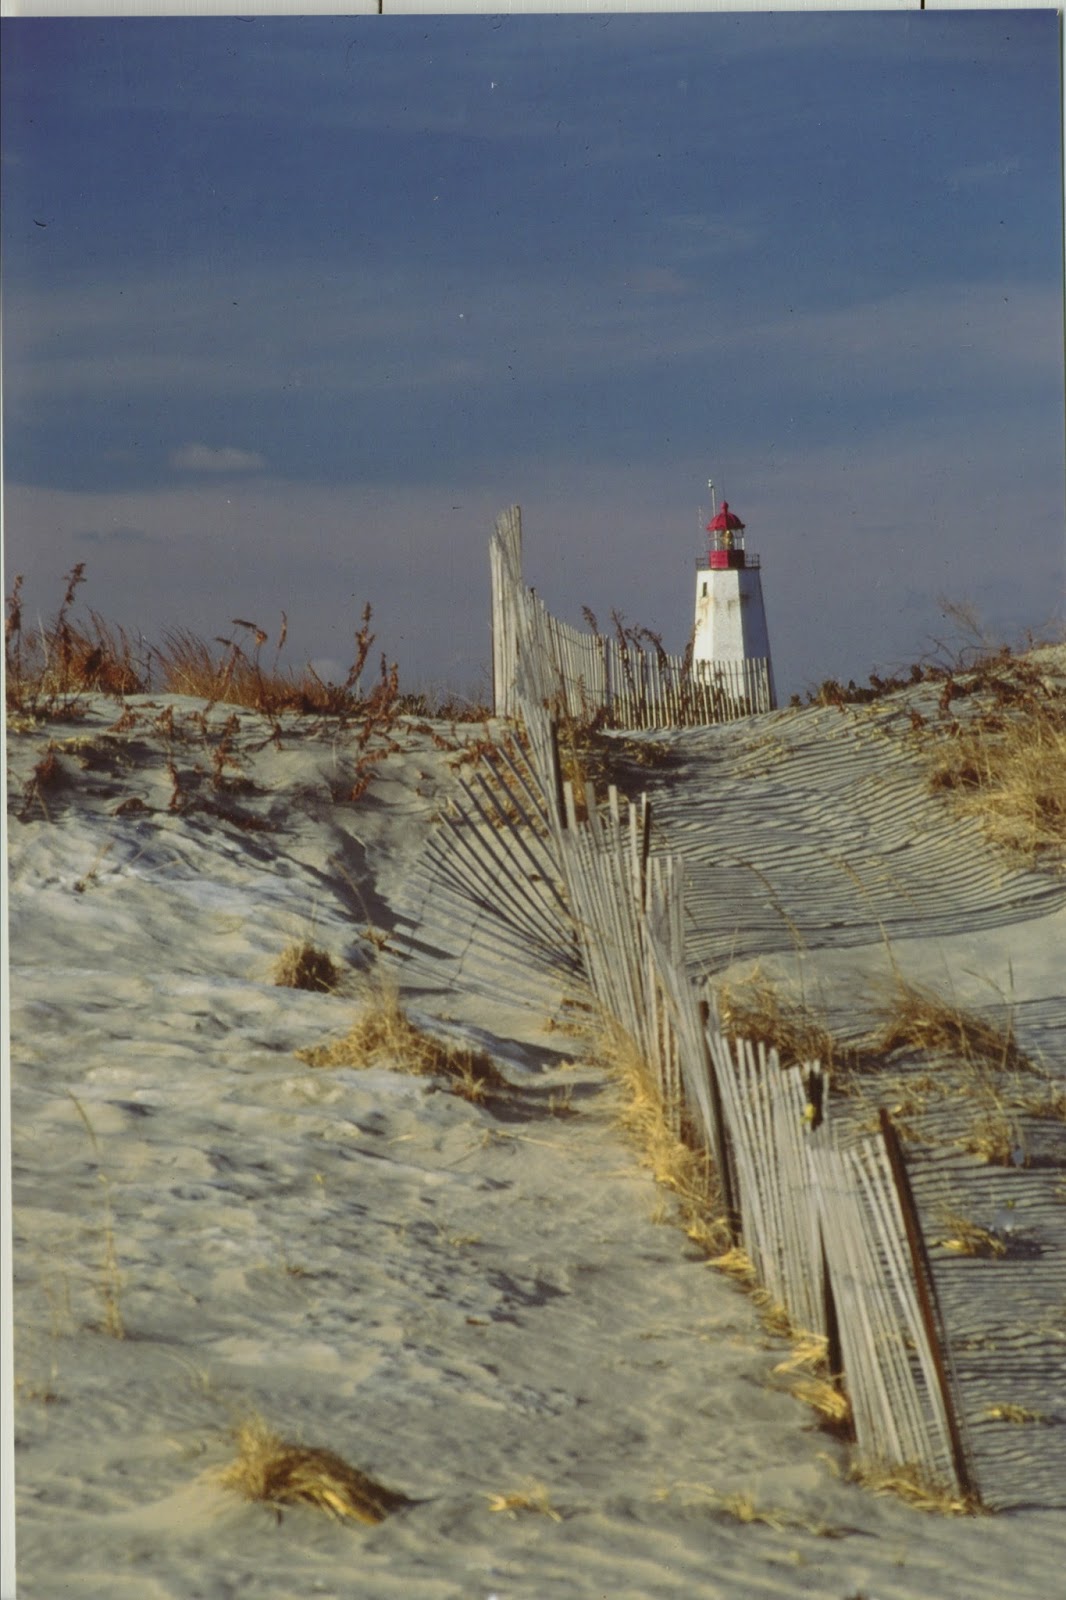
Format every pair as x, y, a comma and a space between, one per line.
226, 458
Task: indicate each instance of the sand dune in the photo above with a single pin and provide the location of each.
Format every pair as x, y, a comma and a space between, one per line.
478, 1304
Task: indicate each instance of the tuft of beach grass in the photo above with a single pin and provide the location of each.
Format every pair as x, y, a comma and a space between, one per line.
1016, 1415
964, 1237
675, 1163
914, 1017
384, 1035
1006, 767
742, 1506
272, 1470
302, 965
533, 1497
757, 1008
911, 1483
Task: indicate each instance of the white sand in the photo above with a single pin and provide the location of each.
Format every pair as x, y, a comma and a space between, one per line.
461, 1300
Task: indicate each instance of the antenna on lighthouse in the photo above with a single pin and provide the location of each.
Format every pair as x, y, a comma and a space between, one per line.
714, 503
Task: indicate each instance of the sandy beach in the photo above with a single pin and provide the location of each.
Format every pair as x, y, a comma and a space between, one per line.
483, 1305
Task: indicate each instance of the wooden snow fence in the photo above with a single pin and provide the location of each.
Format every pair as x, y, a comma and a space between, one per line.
485, 905
833, 1237
831, 1231
584, 675
530, 898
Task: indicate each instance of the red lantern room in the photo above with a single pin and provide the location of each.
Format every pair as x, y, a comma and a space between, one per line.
727, 540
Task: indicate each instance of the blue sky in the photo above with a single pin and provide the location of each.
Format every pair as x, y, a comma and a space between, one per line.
292, 307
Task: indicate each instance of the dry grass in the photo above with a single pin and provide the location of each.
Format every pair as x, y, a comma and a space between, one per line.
990, 1127
383, 1035
910, 1482
592, 760
689, 1176
986, 1060
994, 1137
270, 1469
831, 1404
773, 1314
743, 1507
561, 1103
46, 1393
675, 1164
302, 965
918, 1018
110, 1281
1004, 762
806, 1369
810, 1353
532, 1497
48, 778
49, 670
735, 1263
189, 665
1006, 765
964, 1237
759, 1009
1019, 1415
985, 1073
1050, 1106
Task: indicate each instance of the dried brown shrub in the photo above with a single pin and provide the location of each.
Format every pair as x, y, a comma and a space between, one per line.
190, 665
48, 671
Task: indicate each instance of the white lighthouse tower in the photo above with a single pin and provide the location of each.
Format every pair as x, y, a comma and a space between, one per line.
731, 639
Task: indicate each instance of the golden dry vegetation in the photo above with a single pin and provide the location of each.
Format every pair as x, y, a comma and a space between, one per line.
279, 1473
384, 1035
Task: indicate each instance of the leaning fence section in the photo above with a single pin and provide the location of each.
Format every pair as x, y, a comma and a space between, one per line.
618, 678
824, 1226
559, 893
905, 1409
485, 906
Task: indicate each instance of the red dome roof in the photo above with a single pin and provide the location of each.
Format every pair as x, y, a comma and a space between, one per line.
726, 520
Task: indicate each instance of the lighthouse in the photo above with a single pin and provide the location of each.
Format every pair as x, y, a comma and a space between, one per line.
730, 630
